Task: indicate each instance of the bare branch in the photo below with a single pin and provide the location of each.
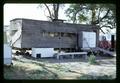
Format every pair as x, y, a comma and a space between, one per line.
48, 11
105, 15
75, 15
107, 26
102, 31
100, 19
99, 14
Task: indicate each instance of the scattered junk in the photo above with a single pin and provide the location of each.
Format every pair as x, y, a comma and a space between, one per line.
43, 38
107, 47
7, 50
104, 43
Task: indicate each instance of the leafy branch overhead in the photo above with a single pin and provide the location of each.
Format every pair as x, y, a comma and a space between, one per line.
96, 14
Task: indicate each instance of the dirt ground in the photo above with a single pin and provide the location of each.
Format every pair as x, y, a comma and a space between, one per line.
30, 68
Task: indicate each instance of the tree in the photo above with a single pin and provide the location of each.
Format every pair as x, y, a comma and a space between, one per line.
95, 14
53, 10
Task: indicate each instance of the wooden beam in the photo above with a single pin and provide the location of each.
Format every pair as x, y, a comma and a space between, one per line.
105, 51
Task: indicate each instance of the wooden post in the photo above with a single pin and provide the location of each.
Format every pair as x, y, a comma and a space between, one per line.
77, 43
72, 56
112, 43
60, 42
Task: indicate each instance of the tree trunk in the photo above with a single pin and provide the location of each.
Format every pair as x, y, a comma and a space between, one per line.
56, 9
93, 16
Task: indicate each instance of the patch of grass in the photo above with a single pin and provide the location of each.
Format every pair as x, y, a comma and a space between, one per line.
92, 59
17, 72
8, 72
20, 70
38, 74
14, 72
85, 77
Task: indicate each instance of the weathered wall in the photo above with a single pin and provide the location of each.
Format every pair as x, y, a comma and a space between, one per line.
36, 40
32, 34
53, 26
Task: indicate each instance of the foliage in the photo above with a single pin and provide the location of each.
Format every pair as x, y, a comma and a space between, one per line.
102, 15
91, 59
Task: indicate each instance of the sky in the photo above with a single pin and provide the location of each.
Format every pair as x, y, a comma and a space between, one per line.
30, 11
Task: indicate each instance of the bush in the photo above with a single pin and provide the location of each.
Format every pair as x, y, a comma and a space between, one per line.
92, 59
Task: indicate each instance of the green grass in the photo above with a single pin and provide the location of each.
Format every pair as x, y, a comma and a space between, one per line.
91, 77
92, 59
34, 70
15, 72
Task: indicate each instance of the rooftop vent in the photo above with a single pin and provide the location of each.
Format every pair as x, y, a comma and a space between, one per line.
58, 20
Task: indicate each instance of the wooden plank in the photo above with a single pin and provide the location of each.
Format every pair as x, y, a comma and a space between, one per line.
72, 53
105, 51
100, 49
54, 26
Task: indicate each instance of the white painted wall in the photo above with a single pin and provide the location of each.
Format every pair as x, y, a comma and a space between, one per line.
18, 43
7, 54
89, 39
45, 52
17, 25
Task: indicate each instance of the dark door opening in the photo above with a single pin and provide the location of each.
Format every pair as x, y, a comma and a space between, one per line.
38, 55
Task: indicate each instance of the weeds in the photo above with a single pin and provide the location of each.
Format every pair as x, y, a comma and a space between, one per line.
85, 76
92, 59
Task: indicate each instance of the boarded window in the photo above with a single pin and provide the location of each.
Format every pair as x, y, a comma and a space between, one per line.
45, 34
58, 34
51, 34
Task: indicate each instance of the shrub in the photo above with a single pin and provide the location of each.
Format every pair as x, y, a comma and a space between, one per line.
92, 59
